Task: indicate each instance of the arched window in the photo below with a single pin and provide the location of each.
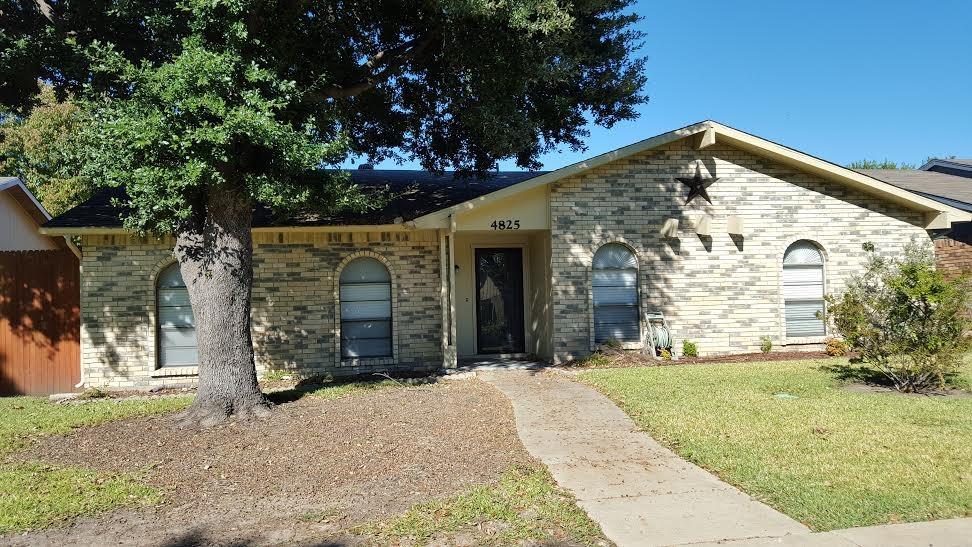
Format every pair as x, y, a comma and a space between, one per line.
803, 290
366, 309
615, 287
177, 326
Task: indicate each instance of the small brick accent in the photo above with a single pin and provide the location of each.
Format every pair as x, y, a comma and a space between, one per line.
953, 253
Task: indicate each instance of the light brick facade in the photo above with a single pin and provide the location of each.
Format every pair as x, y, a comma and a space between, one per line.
723, 292
296, 322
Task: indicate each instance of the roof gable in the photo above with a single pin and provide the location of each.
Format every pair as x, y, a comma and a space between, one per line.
705, 134
15, 188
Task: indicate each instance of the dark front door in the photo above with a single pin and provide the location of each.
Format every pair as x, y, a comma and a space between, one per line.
499, 300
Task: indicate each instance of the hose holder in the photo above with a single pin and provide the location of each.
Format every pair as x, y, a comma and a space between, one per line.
659, 335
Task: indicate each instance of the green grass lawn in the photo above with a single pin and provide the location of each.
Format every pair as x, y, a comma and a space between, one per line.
35, 495
524, 507
829, 457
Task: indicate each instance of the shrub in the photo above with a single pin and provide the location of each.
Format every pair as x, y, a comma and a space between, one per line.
836, 347
665, 354
690, 349
766, 344
904, 318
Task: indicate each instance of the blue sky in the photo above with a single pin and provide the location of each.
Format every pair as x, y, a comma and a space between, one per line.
842, 80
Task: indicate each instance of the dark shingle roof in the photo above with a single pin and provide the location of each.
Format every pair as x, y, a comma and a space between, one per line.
412, 195
960, 162
938, 186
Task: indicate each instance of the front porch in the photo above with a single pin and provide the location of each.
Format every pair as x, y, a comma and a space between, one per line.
497, 283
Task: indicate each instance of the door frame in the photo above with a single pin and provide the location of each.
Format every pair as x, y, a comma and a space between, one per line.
525, 286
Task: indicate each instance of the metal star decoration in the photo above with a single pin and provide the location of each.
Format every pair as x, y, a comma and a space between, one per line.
697, 185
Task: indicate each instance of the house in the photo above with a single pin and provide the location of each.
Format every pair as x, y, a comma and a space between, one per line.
951, 166
729, 236
39, 299
939, 180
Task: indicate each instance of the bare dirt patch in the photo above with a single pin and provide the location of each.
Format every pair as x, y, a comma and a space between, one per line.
305, 475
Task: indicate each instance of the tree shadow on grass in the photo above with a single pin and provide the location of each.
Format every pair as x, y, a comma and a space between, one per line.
857, 373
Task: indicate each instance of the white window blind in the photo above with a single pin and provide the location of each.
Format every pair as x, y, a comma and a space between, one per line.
615, 291
177, 325
803, 290
366, 310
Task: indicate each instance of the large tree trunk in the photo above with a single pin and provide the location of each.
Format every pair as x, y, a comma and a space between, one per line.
216, 259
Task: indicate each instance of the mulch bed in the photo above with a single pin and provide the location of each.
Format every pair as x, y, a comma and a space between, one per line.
308, 473
621, 358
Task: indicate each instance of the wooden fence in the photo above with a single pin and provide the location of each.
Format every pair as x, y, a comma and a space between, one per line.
40, 323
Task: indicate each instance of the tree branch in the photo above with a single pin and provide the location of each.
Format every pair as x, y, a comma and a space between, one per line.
45, 9
392, 59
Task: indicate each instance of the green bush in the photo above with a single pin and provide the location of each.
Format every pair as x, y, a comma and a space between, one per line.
690, 349
904, 318
766, 344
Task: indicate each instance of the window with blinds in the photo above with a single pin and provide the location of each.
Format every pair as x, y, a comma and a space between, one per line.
176, 323
366, 309
615, 292
803, 290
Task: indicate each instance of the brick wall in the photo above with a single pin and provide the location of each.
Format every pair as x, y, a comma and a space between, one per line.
953, 252
722, 292
295, 316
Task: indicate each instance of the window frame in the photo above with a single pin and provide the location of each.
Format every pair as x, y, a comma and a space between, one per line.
638, 305
808, 339
340, 358
161, 369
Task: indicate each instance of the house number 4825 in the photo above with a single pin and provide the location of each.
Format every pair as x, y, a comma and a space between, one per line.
506, 224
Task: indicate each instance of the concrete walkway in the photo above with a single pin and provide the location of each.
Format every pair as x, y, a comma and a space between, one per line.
643, 494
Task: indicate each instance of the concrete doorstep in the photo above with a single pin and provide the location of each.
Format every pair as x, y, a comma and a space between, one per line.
643, 494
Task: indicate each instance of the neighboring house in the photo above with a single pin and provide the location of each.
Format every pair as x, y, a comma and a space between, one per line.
959, 168
39, 299
730, 236
953, 246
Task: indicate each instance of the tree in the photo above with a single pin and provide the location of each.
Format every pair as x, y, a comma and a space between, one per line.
39, 149
904, 318
874, 164
204, 108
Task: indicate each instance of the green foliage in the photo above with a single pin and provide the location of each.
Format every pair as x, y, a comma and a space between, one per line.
836, 347
189, 96
690, 349
766, 344
277, 375
596, 359
41, 149
885, 164
831, 458
525, 507
904, 318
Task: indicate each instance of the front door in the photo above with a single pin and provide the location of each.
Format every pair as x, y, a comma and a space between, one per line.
499, 301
